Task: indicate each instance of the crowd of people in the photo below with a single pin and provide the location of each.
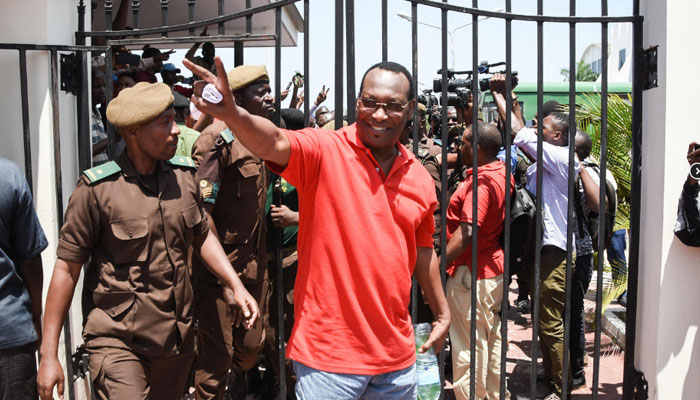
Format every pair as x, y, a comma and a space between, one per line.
182, 228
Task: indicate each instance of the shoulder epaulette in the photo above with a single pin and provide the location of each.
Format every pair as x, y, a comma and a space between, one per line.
227, 135
100, 172
181, 161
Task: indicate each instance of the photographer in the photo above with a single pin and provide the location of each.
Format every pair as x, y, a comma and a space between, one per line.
688, 220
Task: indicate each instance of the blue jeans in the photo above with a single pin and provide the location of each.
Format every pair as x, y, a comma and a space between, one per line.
616, 254
314, 384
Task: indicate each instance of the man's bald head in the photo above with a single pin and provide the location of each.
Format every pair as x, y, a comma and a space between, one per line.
488, 138
584, 144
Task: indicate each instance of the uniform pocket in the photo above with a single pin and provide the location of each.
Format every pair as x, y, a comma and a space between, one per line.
249, 178
192, 216
132, 238
113, 303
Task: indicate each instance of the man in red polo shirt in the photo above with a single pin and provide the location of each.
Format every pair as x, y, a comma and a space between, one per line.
365, 226
489, 265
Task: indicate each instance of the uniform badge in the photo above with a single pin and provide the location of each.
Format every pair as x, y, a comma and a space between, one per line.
207, 190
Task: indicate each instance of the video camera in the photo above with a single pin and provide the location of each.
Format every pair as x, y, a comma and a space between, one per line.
459, 90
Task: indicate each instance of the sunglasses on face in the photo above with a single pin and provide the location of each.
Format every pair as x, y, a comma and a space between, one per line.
390, 108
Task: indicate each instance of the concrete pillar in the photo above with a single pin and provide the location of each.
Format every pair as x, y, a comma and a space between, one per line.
668, 344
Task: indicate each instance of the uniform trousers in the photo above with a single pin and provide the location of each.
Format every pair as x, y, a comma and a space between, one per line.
119, 373
289, 273
220, 345
551, 312
489, 294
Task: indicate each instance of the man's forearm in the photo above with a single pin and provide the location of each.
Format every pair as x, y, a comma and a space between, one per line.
590, 189
211, 252
427, 273
65, 276
458, 243
259, 135
32, 274
516, 122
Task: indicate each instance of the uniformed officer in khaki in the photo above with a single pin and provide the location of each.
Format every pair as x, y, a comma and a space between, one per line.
133, 220
233, 184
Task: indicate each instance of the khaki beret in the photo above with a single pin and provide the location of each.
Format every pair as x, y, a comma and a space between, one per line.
244, 75
421, 108
139, 104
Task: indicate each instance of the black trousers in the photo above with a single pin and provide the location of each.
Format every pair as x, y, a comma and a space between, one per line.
18, 373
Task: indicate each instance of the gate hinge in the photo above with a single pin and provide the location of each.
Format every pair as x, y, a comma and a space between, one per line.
650, 65
80, 359
70, 75
641, 386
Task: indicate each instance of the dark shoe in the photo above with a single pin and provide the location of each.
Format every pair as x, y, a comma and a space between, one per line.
237, 386
578, 382
523, 306
623, 299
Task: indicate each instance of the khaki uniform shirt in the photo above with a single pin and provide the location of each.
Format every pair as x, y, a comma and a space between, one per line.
137, 293
233, 183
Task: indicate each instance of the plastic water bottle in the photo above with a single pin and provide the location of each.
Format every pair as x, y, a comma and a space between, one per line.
427, 369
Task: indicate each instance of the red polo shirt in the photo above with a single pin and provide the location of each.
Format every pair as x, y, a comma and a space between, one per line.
491, 205
358, 233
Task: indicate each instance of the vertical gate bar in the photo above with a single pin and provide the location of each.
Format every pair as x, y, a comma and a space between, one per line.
83, 100
573, 191
190, 14
82, 95
248, 18
278, 249
306, 63
238, 56
635, 205
414, 33
339, 64
535, 279
385, 51
506, 227
475, 204
56, 138
164, 15
135, 8
444, 200
58, 181
24, 92
109, 92
350, 58
220, 12
601, 211
108, 14
414, 70
79, 38
475, 199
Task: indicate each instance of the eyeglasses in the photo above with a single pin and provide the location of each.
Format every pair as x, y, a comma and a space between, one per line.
389, 108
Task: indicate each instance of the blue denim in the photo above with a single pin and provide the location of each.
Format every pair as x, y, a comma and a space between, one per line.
313, 384
616, 253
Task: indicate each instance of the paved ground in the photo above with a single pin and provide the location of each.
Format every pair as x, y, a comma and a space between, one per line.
519, 360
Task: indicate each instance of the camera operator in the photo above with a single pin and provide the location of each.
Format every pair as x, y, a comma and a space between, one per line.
688, 221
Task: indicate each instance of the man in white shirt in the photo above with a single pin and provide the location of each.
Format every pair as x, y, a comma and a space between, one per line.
555, 175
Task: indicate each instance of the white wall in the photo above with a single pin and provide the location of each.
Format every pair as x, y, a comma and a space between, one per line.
668, 346
40, 22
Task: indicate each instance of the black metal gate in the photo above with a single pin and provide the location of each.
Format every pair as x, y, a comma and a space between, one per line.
345, 73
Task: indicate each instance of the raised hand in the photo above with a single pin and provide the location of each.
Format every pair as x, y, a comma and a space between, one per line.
227, 105
322, 95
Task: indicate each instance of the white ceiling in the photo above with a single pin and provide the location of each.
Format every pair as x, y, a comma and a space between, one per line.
263, 23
